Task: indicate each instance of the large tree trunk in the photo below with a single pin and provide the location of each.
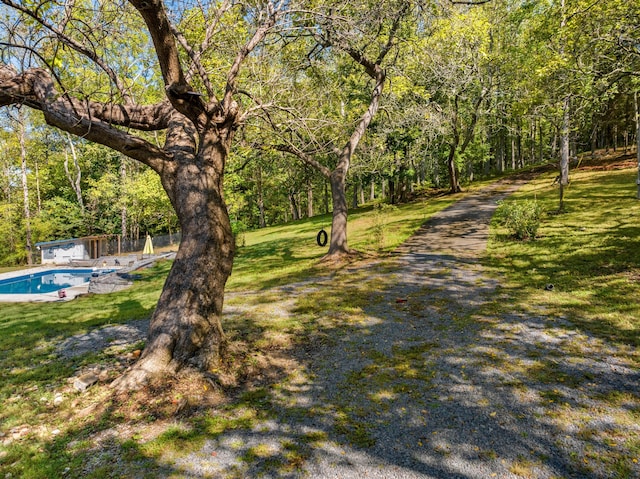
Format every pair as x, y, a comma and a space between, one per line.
454, 182
338, 245
186, 330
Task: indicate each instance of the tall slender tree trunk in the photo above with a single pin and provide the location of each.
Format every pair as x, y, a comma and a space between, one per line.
532, 141
540, 143
564, 151
38, 194
309, 198
74, 181
25, 190
123, 194
454, 182
262, 221
293, 205
626, 141
637, 108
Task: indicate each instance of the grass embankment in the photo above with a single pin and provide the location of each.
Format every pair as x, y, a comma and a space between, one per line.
584, 267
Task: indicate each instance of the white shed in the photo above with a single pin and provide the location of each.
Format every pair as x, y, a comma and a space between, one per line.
63, 251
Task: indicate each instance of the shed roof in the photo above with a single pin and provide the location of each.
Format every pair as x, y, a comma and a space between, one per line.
73, 240
55, 242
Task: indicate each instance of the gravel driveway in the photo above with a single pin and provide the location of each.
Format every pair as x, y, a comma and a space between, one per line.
430, 383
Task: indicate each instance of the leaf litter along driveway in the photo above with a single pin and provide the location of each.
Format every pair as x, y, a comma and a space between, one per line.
425, 382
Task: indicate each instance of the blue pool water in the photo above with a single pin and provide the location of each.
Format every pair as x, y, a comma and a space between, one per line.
47, 281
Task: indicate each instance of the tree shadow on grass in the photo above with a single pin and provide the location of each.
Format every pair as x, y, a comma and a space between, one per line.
424, 381
399, 375
424, 373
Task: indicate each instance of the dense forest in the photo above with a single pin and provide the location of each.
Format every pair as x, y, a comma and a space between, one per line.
469, 91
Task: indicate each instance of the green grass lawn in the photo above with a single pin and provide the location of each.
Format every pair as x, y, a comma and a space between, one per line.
591, 253
39, 440
286, 253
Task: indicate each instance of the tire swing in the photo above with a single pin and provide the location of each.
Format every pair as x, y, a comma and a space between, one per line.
322, 238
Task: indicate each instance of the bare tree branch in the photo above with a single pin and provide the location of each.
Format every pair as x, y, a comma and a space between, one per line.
258, 36
196, 54
469, 2
196, 64
304, 157
70, 42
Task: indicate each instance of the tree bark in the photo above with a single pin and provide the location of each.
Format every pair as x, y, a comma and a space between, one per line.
186, 328
38, 195
454, 182
338, 176
295, 214
309, 198
637, 108
74, 182
338, 244
564, 152
123, 208
262, 221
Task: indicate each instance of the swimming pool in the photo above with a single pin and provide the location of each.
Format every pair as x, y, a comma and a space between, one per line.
48, 281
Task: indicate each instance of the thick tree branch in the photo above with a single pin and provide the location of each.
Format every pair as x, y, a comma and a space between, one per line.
366, 118
178, 90
35, 88
17, 88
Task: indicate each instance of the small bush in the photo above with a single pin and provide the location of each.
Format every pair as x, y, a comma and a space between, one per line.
521, 218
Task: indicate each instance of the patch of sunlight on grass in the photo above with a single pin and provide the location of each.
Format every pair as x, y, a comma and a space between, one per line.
288, 253
590, 253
